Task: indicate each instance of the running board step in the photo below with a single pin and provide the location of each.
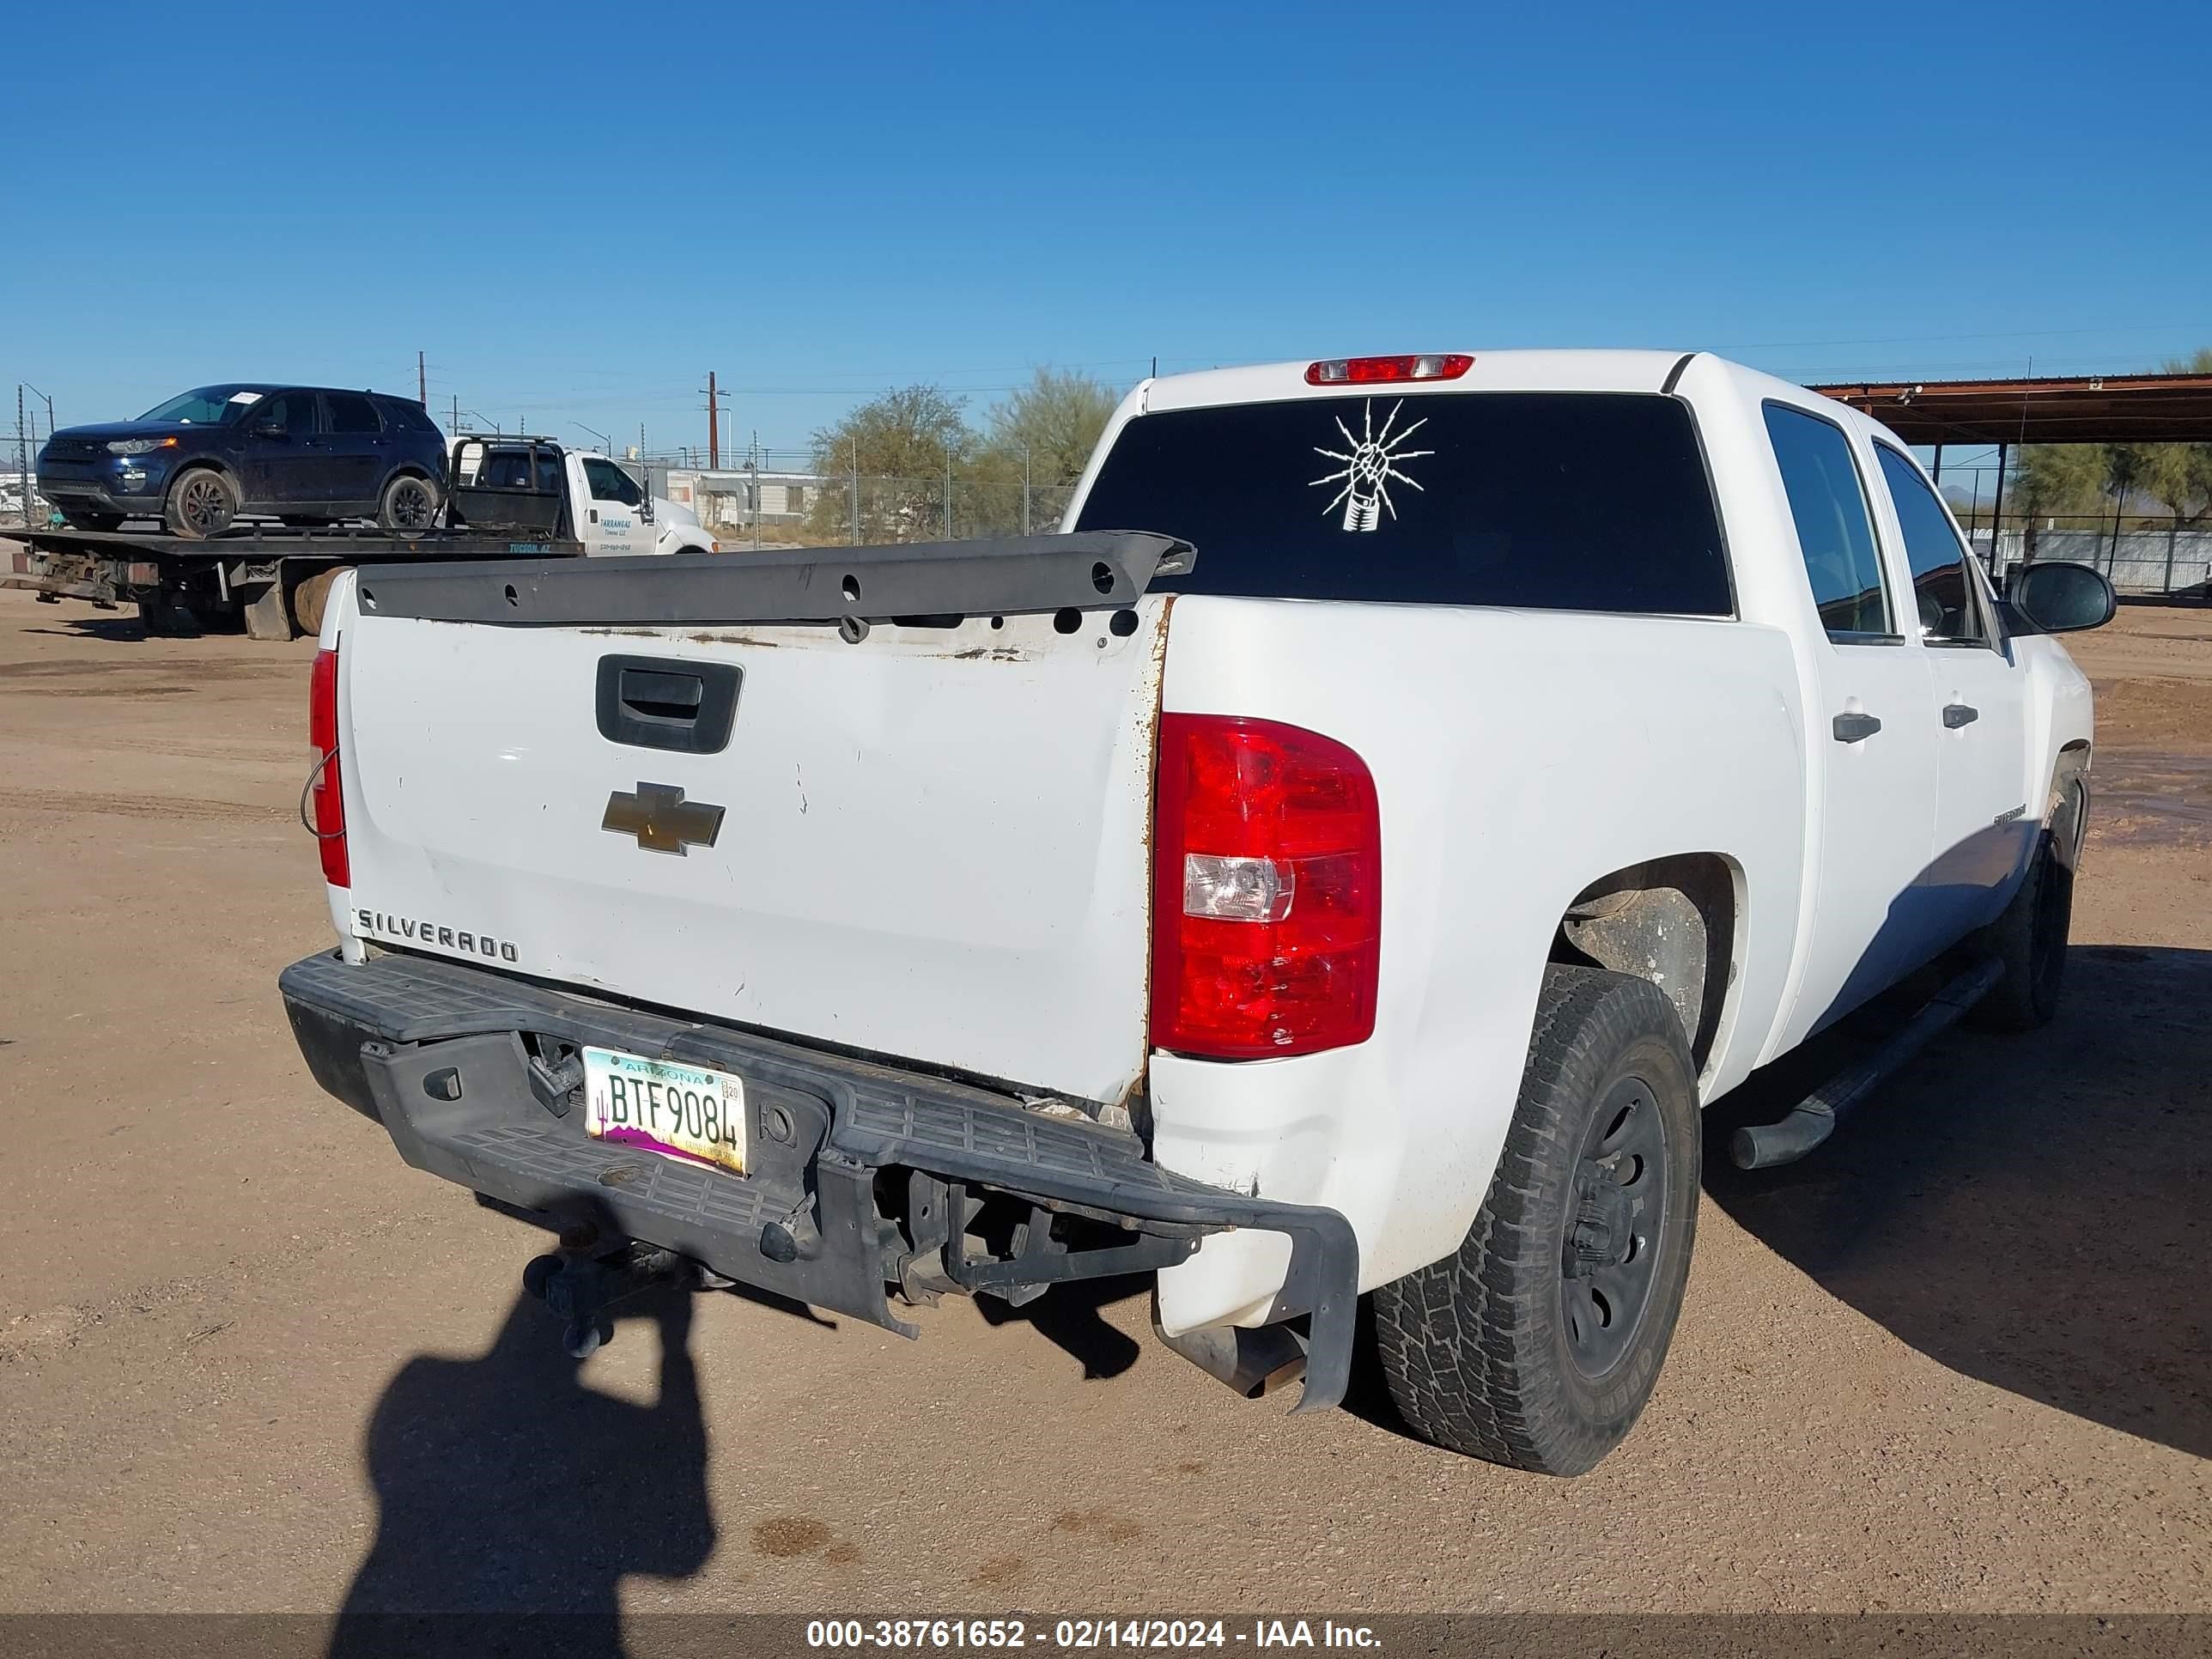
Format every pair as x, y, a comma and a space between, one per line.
1812, 1120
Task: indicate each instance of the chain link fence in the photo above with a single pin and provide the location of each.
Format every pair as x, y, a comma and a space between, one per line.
21, 505
2153, 559
2142, 556
807, 509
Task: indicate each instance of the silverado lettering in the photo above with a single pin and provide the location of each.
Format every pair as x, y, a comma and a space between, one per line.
407, 930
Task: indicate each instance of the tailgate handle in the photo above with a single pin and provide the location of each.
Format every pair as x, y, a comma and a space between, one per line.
659, 702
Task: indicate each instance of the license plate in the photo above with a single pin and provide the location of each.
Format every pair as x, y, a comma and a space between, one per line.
664, 1106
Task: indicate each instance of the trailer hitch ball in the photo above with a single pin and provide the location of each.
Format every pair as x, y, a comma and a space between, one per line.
579, 1290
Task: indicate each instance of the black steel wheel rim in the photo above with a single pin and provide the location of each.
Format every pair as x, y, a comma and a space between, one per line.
410, 505
1616, 1217
204, 505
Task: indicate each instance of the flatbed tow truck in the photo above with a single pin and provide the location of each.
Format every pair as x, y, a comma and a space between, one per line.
510, 497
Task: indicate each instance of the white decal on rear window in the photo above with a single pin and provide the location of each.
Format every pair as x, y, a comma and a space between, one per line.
1369, 467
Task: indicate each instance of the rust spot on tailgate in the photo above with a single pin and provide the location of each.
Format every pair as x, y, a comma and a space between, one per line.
1138, 1096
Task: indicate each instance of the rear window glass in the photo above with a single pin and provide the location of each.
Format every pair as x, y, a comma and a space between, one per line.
1553, 501
351, 413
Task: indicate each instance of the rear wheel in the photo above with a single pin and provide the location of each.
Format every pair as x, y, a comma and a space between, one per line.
1537, 1343
201, 503
410, 506
79, 518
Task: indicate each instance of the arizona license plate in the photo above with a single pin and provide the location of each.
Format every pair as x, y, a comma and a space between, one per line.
667, 1107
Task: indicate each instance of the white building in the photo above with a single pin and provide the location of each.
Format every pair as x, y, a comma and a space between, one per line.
735, 498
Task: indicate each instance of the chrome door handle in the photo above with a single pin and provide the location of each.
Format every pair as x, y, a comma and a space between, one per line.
1956, 714
1853, 728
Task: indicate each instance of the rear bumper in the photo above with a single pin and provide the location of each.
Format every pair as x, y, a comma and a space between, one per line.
439, 1054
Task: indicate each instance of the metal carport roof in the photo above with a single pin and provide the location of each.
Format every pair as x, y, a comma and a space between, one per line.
2102, 408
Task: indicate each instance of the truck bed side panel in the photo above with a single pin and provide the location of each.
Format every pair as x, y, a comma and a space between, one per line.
1517, 756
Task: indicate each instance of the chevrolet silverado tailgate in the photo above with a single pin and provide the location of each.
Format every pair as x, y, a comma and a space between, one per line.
923, 838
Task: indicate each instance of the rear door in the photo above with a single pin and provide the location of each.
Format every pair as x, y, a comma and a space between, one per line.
284, 462
359, 451
1873, 736
928, 844
1985, 816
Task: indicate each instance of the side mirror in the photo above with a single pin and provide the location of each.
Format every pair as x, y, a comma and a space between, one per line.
2060, 597
268, 429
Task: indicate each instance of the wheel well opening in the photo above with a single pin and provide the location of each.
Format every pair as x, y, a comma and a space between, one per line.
1671, 921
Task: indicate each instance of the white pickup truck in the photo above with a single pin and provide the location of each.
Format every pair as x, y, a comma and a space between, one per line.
580, 495
1343, 864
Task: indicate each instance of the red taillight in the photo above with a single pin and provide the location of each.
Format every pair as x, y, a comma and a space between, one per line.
1371, 371
328, 814
1266, 892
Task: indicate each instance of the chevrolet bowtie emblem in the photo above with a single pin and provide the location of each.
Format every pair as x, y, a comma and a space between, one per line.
661, 819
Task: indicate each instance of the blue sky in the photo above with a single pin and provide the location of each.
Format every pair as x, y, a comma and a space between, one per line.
577, 211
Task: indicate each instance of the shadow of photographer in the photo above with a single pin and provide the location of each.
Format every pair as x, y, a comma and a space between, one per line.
512, 1499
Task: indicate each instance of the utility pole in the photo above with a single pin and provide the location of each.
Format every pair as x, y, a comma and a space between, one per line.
948, 492
422, 381
856, 492
1025, 490
714, 423
456, 427
23, 455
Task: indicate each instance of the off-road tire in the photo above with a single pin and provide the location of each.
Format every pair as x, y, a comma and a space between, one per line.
410, 506
2030, 940
1477, 1349
201, 502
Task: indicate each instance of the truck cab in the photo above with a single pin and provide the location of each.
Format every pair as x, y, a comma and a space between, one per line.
539, 485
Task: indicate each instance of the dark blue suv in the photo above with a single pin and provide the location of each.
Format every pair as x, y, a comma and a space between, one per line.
308, 455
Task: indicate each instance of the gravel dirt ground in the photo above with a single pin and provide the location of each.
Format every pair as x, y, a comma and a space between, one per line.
1955, 1361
